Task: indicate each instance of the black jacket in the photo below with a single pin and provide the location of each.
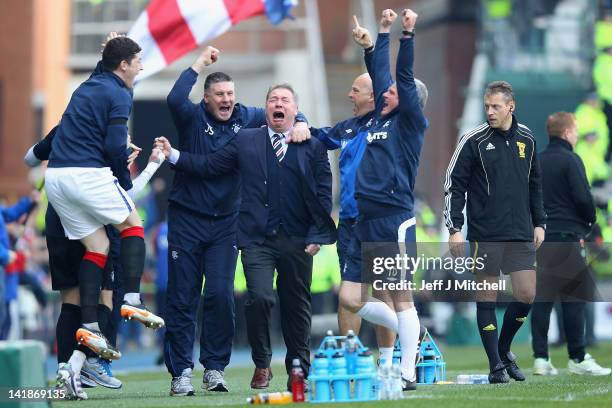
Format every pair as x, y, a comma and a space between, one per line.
567, 197
247, 153
501, 176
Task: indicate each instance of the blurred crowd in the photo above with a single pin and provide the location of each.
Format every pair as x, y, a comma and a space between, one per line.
594, 119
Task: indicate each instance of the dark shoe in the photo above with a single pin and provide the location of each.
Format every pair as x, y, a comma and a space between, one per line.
499, 375
408, 385
512, 368
261, 378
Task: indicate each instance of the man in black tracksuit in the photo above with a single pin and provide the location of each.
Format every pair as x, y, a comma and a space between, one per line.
496, 165
562, 271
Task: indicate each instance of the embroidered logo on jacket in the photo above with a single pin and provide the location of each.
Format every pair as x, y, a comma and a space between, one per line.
209, 129
490, 146
376, 136
521, 149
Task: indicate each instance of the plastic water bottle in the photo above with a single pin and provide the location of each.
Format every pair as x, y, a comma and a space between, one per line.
330, 344
341, 385
297, 381
383, 380
350, 347
320, 366
395, 382
364, 366
472, 379
397, 353
270, 398
429, 368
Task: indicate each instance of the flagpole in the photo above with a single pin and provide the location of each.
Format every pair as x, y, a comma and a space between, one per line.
315, 50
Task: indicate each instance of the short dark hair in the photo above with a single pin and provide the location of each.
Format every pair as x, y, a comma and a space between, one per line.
283, 86
119, 49
501, 87
558, 122
215, 78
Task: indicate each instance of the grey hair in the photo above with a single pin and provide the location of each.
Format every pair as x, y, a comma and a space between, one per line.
283, 86
422, 92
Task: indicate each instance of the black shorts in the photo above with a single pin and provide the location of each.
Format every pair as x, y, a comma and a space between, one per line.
64, 259
506, 257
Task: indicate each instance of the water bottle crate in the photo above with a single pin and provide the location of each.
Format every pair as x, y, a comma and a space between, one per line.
430, 367
343, 370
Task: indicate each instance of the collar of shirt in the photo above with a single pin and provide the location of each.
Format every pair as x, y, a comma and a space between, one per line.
557, 141
284, 143
120, 82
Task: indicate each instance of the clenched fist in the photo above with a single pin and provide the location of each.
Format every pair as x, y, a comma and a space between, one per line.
409, 19
207, 57
387, 19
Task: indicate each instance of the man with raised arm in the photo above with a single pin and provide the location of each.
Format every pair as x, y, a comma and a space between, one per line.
384, 191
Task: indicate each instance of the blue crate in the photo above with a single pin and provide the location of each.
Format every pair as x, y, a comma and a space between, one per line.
351, 381
430, 367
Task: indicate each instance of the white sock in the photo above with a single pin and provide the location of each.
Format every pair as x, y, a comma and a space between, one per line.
132, 298
92, 326
76, 361
386, 354
409, 328
377, 312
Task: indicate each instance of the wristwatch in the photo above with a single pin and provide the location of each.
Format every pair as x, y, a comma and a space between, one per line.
452, 231
409, 33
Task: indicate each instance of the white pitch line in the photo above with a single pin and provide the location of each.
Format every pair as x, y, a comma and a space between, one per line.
572, 396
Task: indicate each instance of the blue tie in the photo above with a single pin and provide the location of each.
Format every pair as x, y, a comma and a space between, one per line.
277, 145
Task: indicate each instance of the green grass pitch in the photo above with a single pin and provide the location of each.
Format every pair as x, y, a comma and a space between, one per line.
564, 390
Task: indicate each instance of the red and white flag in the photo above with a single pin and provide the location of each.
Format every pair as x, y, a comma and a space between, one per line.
169, 29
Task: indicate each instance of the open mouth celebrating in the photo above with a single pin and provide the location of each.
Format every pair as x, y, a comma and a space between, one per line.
278, 116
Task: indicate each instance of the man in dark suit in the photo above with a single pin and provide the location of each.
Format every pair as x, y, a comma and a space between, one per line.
284, 218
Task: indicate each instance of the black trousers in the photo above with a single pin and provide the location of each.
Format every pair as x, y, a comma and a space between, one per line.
562, 275
294, 267
573, 323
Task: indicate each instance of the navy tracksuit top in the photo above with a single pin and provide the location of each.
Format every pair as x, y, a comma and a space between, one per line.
350, 136
387, 173
93, 129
